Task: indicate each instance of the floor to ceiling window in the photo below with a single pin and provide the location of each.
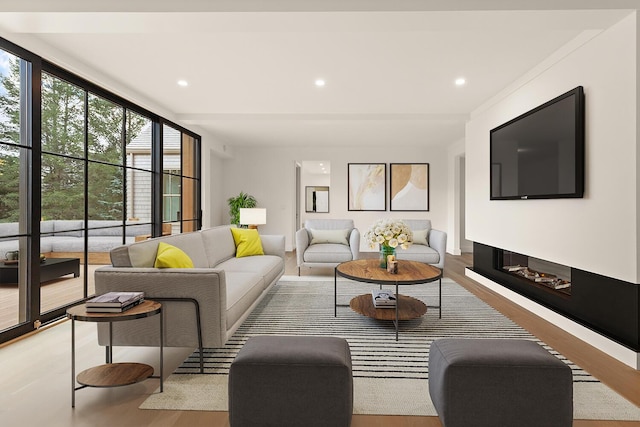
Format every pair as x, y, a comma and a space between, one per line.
92, 180
62, 190
181, 184
190, 183
15, 158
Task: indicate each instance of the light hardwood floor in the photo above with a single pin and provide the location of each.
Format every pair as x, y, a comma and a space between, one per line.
35, 374
53, 294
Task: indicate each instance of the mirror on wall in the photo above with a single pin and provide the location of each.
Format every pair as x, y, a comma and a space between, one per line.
317, 199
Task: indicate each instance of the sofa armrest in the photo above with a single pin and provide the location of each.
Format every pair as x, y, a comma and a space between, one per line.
354, 243
438, 241
302, 243
207, 286
273, 244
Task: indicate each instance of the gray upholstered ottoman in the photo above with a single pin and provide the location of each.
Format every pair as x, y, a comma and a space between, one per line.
291, 381
499, 382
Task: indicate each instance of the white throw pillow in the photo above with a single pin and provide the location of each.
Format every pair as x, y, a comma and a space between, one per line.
329, 236
420, 237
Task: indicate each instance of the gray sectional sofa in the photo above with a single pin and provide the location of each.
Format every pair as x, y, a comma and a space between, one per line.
65, 238
225, 288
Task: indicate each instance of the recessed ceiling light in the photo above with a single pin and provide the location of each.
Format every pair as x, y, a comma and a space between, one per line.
183, 83
460, 81
320, 82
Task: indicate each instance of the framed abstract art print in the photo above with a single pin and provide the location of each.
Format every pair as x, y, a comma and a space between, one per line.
409, 187
367, 186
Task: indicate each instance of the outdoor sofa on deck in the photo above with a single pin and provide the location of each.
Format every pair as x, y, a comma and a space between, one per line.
65, 238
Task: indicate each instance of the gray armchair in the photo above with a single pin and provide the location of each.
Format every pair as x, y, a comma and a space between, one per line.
429, 245
327, 243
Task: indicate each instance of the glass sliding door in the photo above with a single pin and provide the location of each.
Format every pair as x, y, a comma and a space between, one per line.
80, 174
139, 171
105, 183
63, 190
15, 160
171, 173
190, 183
181, 183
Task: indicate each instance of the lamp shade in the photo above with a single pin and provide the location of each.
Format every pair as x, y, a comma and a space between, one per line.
253, 216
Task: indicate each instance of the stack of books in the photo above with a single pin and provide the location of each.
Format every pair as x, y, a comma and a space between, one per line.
383, 298
114, 302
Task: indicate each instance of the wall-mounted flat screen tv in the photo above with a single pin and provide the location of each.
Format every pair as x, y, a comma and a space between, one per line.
540, 154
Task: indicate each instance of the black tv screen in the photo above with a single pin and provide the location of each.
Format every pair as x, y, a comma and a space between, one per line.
540, 154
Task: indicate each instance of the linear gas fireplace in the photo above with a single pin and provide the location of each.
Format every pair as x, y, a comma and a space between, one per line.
538, 272
603, 304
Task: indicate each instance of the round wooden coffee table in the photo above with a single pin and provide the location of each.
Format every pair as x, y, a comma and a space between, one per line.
409, 273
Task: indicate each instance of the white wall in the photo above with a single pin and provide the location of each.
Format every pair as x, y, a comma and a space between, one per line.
268, 175
598, 233
454, 229
213, 205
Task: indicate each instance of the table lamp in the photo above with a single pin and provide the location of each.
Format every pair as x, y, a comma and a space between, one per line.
253, 217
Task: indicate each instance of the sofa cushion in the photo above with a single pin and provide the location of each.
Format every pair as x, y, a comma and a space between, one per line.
46, 244
105, 243
168, 256
267, 266
219, 244
143, 254
76, 244
62, 227
105, 228
328, 224
47, 227
329, 236
8, 229
247, 242
66, 244
420, 237
134, 229
418, 224
114, 228
330, 252
420, 253
242, 290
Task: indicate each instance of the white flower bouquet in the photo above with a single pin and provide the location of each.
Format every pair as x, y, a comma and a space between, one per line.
390, 233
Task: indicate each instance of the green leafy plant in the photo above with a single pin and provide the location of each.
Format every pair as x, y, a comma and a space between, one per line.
242, 200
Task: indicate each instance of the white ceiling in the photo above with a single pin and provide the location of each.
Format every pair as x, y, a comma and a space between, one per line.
389, 73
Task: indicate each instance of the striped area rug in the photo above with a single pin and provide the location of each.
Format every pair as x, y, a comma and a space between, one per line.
306, 308
387, 373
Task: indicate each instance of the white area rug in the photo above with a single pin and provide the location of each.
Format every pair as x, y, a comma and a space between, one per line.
390, 377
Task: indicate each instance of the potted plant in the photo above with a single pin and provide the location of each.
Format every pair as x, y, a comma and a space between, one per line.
242, 200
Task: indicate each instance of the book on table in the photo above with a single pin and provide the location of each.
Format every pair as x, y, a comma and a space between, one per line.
383, 298
114, 309
114, 299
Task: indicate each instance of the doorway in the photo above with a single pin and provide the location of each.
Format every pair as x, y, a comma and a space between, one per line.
463, 244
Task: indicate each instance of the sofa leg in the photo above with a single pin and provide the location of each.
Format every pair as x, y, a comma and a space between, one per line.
298, 271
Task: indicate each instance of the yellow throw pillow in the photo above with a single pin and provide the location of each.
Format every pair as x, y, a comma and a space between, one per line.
247, 242
169, 256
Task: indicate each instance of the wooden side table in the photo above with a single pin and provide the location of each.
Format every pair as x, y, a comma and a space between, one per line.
113, 374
